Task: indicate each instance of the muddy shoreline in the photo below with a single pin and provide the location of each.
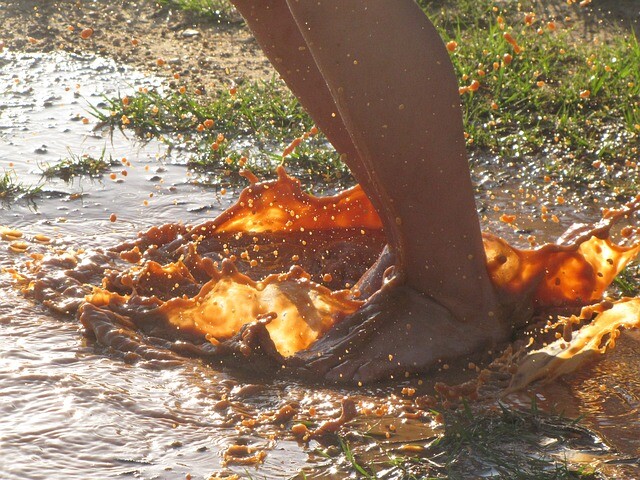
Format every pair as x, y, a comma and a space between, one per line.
76, 408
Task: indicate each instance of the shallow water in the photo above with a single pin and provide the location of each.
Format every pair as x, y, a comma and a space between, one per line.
71, 412
71, 409
606, 393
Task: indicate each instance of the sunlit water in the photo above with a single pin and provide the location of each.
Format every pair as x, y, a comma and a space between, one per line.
70, 409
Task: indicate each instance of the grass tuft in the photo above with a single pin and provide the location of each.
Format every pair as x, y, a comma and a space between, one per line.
548, 93
350, 457
220, 11
510, 444
11, 189
245, 127
75, 165
476, 443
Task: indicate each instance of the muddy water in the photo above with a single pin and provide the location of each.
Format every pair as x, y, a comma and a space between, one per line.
606, 393
71, 409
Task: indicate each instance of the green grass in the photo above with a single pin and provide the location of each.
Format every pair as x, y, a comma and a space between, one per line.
581, 137
216, 10
76, 165
627, 281
257, 121
561, 97
11, 189
510, 443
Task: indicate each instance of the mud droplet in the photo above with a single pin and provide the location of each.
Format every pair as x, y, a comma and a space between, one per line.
86, 33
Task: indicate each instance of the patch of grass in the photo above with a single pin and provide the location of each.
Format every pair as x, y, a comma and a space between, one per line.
475, 443
76, 165
359, 469
11, 189
216, 10
627, 281
247, 126
510, 444
553, 95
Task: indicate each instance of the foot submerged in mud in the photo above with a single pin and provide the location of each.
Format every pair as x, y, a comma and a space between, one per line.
397, 332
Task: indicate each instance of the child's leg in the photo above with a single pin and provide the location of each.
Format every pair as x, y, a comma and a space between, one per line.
395, 88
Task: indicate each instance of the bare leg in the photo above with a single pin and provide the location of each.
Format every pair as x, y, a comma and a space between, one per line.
277, 33
418, 112
378, 80
396, 91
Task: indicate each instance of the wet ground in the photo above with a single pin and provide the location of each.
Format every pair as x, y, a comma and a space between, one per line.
72, 409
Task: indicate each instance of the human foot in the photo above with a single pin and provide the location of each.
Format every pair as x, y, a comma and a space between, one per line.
399, 330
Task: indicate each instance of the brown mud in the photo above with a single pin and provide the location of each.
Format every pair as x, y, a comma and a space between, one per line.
249, 284
236, 415
152, 301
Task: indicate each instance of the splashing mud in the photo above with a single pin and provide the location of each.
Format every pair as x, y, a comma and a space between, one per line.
224, 288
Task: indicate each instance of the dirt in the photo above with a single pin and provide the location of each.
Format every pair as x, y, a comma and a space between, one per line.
202, 51
138, 34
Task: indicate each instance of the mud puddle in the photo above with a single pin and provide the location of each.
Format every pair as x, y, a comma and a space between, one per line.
72, 409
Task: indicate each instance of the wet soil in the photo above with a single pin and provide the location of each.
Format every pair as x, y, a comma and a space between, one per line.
138, 34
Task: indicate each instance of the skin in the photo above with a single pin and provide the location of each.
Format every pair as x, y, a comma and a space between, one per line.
379, 82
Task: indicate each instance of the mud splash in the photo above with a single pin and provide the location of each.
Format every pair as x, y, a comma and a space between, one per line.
218, 289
